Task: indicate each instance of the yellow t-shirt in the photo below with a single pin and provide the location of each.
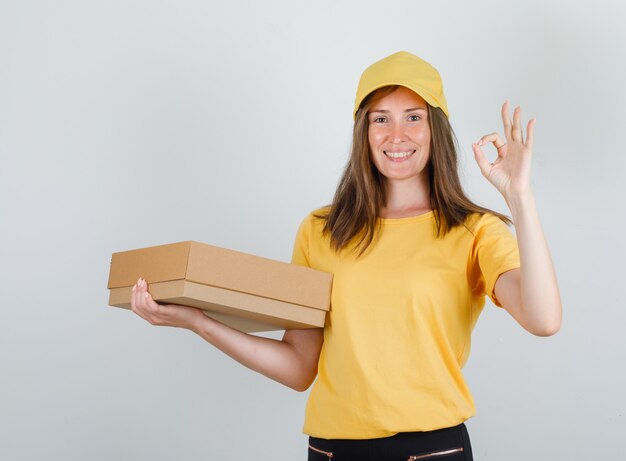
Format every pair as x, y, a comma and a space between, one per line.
399, 328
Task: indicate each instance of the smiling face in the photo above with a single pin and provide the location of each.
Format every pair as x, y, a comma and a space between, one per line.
399, 135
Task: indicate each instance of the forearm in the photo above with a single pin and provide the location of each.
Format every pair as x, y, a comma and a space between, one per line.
278, 360
292, 361
539, 290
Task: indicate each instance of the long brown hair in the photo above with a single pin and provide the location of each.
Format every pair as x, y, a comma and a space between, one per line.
361, 194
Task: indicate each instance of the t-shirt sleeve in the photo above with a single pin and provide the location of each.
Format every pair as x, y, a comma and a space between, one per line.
495, 252
300, 254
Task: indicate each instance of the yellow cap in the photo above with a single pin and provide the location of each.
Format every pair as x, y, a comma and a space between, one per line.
404, 69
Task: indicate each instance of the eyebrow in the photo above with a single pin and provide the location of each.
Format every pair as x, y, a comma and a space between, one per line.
382, 111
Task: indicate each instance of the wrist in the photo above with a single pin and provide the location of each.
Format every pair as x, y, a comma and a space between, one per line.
520, 199
200, 323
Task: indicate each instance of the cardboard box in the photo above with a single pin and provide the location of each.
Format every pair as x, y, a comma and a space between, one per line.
246, 292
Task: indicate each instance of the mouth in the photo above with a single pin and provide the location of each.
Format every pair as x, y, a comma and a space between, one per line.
399, 156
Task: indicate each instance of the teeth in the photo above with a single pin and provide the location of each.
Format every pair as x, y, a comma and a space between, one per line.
398, 154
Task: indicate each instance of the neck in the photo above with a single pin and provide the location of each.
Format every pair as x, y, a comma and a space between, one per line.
409, 197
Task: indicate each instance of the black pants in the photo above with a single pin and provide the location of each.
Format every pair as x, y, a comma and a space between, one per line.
450, 444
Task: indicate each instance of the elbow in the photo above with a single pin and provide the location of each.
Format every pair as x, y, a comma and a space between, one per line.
302, 381
548, 327
302, 384
301, 387
543, 319
547, 330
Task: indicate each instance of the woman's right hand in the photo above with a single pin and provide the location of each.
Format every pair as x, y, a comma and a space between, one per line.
170, 315
291, 361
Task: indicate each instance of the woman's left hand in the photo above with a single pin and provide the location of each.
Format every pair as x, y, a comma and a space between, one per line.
510, 172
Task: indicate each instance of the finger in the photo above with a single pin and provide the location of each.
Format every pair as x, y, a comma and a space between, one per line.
135, 298
506, 120
516, 132
481, 160
140, 296
137, 295
135, 301
493, 138
530, 132
148, 301
146, 307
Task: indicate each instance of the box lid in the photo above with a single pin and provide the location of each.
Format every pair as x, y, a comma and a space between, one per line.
155, 264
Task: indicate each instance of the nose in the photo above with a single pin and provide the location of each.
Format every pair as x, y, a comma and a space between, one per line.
397, 133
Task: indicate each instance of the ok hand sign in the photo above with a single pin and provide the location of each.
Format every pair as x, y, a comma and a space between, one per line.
510, 172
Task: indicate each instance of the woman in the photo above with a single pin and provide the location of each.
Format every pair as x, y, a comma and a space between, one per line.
412, 260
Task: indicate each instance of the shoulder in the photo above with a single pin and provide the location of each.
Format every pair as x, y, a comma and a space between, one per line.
320, 213
313, 223
309, 237
316, 217
479, 223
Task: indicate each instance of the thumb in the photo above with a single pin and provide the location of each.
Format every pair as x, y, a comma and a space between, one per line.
481, 160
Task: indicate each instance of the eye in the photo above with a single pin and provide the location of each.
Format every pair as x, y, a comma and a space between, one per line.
414, 118
379, 120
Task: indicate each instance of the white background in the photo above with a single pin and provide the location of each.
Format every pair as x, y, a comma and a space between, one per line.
126, 124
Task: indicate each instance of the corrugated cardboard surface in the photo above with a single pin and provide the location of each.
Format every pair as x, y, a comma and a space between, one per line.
155, 264
247, 292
